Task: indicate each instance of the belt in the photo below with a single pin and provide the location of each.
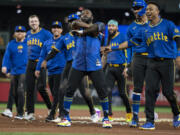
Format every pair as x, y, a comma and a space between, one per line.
161, 59
117, 65
144, 54
34, 60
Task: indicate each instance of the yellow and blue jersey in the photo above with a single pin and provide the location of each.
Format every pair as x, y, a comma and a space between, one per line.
160, 39
118, 56
15, 57
68, 44
132, 30
57, 63
35, 42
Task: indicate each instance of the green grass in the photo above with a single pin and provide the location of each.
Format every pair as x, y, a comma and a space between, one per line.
24, 133
85, 107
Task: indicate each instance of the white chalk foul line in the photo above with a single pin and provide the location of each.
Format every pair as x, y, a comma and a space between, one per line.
116, 121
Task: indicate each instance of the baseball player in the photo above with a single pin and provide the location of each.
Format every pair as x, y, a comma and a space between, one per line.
14, 62
35, 40
55, 66
68, 42
116, 62
159, 37
87, 61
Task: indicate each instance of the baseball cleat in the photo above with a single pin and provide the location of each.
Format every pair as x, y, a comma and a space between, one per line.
176, 121
147, 126
7, 113
64, 123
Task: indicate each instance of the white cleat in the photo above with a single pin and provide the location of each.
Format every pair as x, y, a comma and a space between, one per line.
19, 117
95, 118
7, 113
30, 117
57, 120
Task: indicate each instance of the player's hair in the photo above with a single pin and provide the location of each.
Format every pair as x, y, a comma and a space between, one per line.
154, 3
33, 16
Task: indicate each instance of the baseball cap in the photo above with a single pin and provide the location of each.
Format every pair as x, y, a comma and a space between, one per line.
72, 17
57, 24
20, 28
114, 22
139, 3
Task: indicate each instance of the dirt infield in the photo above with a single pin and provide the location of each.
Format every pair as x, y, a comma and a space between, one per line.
84, 126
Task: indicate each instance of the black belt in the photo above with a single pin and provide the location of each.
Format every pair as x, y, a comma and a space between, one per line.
143, 54
161, 59
34, 60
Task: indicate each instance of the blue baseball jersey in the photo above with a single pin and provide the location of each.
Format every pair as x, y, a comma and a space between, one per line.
160, 39
132, 30
117, 56
87, 56
57, 63
67, 44
35, 42
15, 57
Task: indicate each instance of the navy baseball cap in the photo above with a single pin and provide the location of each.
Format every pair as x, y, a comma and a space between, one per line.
20, 28
57, 24
72, 17
139, 3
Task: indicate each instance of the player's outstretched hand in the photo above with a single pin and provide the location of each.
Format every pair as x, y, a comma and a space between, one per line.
125, 72
4, 70
44, 64
37, 73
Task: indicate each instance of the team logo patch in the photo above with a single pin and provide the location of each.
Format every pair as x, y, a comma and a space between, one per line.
176, 30
20, 47
98, 63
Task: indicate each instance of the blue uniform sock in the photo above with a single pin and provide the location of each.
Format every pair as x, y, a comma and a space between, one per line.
105, 106
136, 102
67, 103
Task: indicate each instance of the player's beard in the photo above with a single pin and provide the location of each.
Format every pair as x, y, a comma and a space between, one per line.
112, 34
87, 20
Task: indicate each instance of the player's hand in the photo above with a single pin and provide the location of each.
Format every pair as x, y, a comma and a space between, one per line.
125, 72
4, 70
78, 32
8, 75
106, 49
44, 64
37, 73
178, 62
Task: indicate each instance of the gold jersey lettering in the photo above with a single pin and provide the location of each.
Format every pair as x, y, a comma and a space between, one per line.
158, 36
